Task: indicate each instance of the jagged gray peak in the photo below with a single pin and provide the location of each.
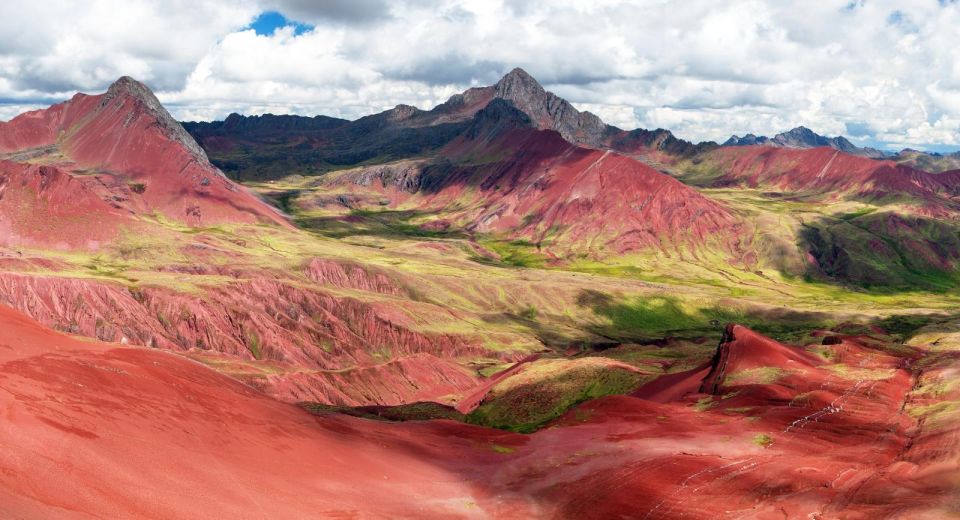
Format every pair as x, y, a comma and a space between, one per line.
549, 111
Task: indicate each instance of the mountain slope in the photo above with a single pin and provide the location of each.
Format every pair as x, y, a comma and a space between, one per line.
856, 221
124, 147
825, 173
94, 429
929, 162
504, 176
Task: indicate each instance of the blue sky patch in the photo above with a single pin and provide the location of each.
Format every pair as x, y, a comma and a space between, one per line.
269, 21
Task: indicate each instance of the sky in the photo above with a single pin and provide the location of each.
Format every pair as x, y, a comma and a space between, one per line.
883, 73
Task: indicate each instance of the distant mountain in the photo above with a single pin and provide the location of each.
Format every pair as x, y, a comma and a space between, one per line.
803, 137
747, 140
928, 161
504, 175
269, 146
824, 174
551, 112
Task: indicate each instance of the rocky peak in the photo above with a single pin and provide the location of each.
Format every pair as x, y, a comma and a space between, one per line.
549, 111
146, 103
746, 140
801, 137
402, 112
518, 85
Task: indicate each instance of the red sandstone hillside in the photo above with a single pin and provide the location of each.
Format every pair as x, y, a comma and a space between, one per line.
98, 430
505, 177
93, 429
123, 148
827, 173
93, 173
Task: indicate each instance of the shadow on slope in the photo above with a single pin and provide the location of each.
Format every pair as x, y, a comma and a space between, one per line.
884, 251
654, 317
383, 223
272, 153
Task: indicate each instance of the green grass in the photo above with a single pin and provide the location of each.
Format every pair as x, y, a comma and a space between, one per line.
380, 223
756, 376
857, 214
763, 440
253, 345
704, 403
546, 389
530, 313
641, 318
858, 373
514, 253
420, 411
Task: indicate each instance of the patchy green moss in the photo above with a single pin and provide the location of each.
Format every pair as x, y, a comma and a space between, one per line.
858, 374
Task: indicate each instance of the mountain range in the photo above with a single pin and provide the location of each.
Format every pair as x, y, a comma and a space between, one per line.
497, 307
802, 137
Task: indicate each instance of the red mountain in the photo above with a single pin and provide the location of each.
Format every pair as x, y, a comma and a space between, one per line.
123, 148
100, 430
505, 176
828, 173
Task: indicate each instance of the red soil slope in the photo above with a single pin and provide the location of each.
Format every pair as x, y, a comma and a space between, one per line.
534, 185
830, 173
92, 429
316, 346
44, 205
774, 431
125, 147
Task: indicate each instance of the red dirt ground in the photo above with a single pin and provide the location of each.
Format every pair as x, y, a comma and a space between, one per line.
92, 429
45, 205
330, 357
98, 430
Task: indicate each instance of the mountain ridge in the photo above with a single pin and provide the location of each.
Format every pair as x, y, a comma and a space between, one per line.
404, 131
803, 137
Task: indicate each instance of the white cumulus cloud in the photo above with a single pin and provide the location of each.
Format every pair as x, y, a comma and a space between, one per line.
882, 72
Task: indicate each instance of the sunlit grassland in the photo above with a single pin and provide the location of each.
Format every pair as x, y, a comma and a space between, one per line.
513, 294
768, 290
547, 388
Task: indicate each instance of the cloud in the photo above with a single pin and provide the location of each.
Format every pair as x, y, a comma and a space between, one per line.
59, 46
337, 11
882, 71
